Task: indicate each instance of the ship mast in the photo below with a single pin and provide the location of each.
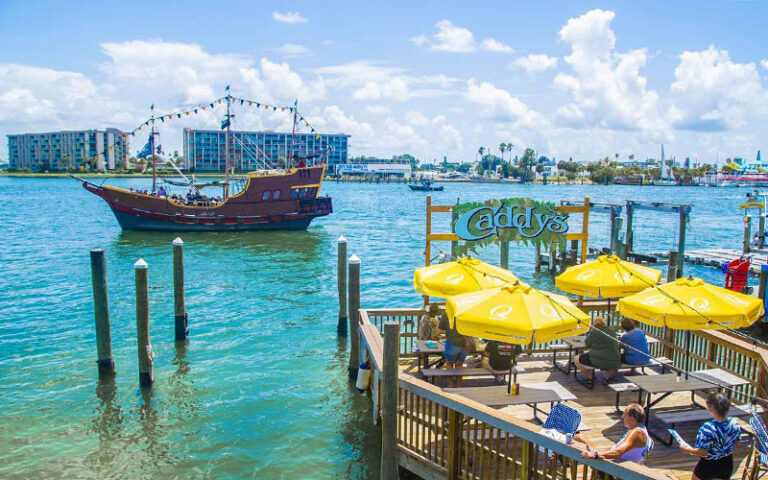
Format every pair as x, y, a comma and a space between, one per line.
152, 147
228, 122
293, 133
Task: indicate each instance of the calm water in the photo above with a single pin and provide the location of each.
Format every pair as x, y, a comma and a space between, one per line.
260, 390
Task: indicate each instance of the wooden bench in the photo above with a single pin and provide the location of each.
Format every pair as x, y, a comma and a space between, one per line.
619, 388
431, 373
663, 362
699, 415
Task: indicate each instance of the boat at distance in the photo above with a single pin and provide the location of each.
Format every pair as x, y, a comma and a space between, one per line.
425, 186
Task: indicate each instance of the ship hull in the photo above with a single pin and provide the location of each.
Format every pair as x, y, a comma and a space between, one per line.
284, 201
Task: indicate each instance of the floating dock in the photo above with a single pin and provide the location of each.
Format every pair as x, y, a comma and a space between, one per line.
716, 257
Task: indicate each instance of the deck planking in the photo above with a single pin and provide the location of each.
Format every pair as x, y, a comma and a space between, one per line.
605, 425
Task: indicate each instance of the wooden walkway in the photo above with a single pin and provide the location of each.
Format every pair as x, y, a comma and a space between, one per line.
604, 422
715, 257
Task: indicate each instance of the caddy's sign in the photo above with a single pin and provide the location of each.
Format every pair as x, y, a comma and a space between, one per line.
526, 221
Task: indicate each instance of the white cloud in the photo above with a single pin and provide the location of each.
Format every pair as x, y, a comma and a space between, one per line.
373, 82
378, 109
712, 93
495, 46
448, 138
449, 38
764, 63
291, 50
289, 17
499, 105
416, 118
536, 63
606, 88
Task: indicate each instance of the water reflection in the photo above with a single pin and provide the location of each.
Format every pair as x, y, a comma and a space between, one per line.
183, 399
108, 419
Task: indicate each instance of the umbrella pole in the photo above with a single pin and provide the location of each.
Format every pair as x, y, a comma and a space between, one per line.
687, 352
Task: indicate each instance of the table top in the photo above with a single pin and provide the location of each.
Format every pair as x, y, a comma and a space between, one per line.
421, 347
577, 342
704, 379
497, 396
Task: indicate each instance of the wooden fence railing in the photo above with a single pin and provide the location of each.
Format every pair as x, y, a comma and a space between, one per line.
441, 435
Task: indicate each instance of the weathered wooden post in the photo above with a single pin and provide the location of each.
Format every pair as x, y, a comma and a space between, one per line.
104, 360
628, 237
341, 275
763, 290
747, 233
614, 232
552, 258
672, 267
761, 229
454, 243
537, 257
181, 320
684, 211
390, 371
574, 253
354, 316
146, 376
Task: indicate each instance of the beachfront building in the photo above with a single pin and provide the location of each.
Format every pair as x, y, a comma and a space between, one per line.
68, 150
204, 150
376, 168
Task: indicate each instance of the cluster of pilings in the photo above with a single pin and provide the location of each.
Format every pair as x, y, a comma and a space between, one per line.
105, 360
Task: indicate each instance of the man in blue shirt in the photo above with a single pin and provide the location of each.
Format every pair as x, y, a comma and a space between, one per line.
635, 344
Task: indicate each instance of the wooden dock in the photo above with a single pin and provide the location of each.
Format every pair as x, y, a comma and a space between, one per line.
443, 434
715, 257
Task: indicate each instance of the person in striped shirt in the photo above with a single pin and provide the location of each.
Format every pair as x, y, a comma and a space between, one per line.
715, 441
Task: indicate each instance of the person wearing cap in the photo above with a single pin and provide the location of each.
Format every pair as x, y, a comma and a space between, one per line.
428, 323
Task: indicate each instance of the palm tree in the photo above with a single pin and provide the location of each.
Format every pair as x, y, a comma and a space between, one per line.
481, 151
509, 149
502, 149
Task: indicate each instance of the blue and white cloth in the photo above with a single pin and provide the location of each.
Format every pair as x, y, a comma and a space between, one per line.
718, 438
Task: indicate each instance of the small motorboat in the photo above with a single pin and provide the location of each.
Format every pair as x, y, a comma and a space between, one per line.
425, 186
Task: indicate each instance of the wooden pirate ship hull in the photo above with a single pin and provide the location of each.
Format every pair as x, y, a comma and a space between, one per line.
285, 200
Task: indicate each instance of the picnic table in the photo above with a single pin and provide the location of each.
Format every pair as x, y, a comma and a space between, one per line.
530, 394
578, 343
666, 384
425, 351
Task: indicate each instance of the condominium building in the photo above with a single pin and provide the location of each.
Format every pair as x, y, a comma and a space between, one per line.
69, 150
204, 150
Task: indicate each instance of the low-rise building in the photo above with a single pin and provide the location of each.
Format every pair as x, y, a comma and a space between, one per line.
376, 167
205, 150
68, 150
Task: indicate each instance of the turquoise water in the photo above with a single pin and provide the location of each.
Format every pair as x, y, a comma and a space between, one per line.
260, 389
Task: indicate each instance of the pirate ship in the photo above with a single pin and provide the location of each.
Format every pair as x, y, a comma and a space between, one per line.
273, 197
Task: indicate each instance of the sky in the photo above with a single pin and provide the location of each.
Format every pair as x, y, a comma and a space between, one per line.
570, 79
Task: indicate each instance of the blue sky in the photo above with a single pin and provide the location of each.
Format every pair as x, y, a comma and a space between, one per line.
569, 79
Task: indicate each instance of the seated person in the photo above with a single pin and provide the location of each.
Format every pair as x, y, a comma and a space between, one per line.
428, 323
635, 344
604, 351
634, 446
501, 355
455, 347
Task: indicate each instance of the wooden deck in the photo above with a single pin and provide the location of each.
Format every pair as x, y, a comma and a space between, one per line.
604, 422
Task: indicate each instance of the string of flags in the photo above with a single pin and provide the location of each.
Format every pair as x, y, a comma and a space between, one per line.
202, 107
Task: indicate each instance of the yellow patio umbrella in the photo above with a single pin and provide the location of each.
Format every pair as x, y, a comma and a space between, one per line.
461, 276
692, 304
607, 277
517, 314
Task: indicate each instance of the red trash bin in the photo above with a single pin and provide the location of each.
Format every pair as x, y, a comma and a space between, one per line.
737, 275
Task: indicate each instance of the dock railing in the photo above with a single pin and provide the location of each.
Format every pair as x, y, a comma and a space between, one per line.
442, 435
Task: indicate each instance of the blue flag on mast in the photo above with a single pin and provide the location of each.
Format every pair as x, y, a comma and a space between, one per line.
146, 151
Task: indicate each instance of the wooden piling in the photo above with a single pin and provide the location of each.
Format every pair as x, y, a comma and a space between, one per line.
747, 234
146, 376
684, 212
341, 276
354, 314
454, 243
761, 229
181, 321
537, 258
390, 371
574, 253
672, 267
763, 289
104, 359
628, 237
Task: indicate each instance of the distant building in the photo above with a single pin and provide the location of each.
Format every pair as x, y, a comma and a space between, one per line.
58, 151
204, 150
376, 167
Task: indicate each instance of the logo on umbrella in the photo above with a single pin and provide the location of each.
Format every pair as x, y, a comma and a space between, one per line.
549, 311
700, 304
585, 275
622, 276
652, 300
735, 300
500, 312
454, 279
